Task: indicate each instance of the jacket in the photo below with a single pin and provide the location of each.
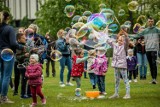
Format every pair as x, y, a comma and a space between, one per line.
151, 38
77, 68
140, 49
119, 54
8, 38
34, 74
131, 63
100, 65
63, 47
90, 62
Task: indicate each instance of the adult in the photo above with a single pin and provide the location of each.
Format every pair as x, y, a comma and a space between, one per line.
51, 45
7, 40
62, 45
39, 41
151, 37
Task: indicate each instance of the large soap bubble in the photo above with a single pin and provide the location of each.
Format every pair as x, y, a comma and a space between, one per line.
69, 10
142, 20
97, 21
158, 24
7, 54
133, 5
109, 15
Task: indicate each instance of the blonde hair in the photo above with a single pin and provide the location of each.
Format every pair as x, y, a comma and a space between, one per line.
34, 27
60, 33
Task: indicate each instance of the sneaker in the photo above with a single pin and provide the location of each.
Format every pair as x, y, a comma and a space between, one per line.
94, 86
34, 104
114, 96
130, 81
127, 96
135, 80
69, 84
104, 93
4, 99
24, 96
154, 81
62, 84
43, 101
78, 92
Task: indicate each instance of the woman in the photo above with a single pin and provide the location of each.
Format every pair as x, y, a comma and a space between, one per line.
7, 40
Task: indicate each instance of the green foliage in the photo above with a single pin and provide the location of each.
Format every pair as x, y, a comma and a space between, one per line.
24, 22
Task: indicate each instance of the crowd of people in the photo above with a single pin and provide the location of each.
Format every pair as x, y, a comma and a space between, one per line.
31, 49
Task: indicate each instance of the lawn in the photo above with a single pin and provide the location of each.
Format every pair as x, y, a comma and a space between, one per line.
143, 94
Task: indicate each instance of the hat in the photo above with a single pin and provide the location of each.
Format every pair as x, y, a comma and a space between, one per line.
35, 56
130, 50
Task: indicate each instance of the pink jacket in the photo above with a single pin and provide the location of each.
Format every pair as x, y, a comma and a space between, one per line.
100, 65
119, 53
34, 74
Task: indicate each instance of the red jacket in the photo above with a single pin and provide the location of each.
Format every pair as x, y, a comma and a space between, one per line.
34, 74
77, 68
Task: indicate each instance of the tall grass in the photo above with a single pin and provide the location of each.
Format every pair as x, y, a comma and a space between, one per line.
143, 94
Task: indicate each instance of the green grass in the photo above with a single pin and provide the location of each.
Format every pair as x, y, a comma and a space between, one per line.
143, 94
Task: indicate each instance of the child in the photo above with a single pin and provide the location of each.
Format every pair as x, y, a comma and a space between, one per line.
34, 74
100, 67
21, 55
78, 68
119, 62
131, 65
92, 76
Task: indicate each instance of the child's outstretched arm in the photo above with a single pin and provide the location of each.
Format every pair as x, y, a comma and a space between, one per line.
79, 60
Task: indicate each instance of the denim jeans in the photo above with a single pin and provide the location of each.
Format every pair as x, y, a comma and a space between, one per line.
85, 67
65, 61
5, 74
93, 78
142, 64
101, 83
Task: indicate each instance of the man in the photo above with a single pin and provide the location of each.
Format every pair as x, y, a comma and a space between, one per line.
152, 37
62, 44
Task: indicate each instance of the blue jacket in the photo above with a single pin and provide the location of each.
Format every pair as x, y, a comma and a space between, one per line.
62, 46
131, 63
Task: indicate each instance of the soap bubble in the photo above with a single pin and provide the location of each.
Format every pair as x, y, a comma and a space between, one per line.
113, 27
133, 5
87, 13
136, 27
69, 10
55, 55
121, 12
7, 54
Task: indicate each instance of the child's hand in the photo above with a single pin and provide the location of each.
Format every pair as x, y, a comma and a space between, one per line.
26, 54
104, 74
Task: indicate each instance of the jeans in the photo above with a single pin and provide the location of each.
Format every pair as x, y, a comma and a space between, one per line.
93, 78
65, 61
152, 57
101, 83
5, 74
142, 64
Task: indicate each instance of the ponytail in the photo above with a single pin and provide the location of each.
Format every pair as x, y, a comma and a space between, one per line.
1, 17
4, 16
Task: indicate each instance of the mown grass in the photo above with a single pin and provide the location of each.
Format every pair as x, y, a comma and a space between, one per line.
143, 94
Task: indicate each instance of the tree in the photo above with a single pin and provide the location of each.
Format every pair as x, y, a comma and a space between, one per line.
51, 15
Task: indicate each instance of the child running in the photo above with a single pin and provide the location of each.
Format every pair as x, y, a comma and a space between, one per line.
34, 75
